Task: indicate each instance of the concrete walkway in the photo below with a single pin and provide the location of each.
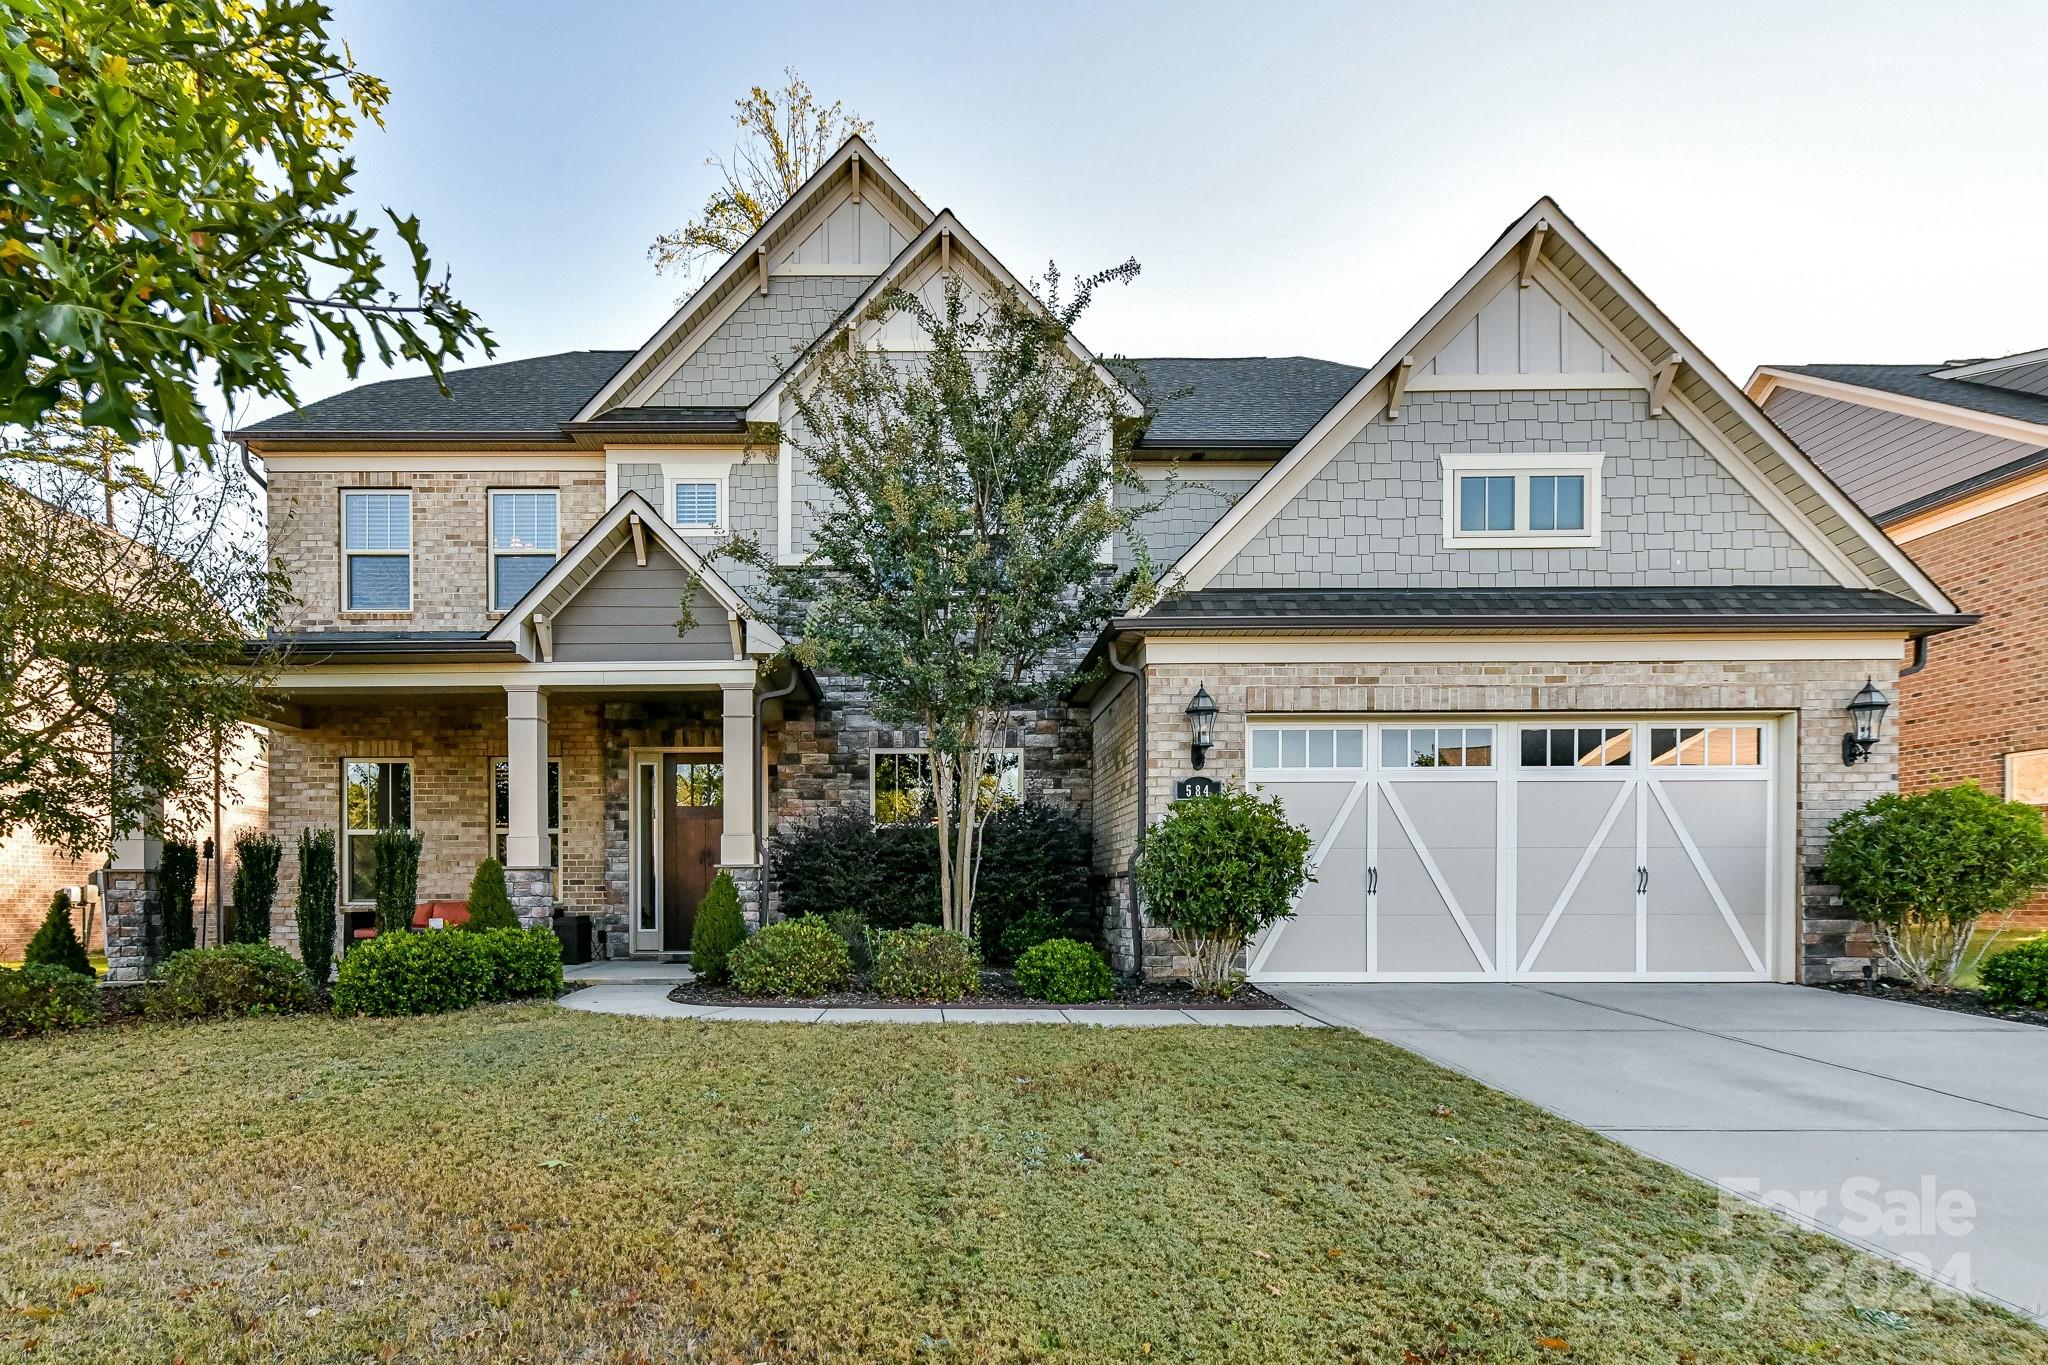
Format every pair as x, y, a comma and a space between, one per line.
1916, 1133
621, 971
649, 1000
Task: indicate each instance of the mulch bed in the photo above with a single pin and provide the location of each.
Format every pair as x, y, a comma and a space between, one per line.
998, 991
1955, 1001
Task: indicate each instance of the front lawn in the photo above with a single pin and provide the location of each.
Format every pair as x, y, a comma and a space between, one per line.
526, 1183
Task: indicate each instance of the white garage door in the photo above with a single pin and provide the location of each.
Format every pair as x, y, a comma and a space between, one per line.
1484, 848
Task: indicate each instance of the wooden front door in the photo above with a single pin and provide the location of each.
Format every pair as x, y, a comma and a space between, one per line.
693, 817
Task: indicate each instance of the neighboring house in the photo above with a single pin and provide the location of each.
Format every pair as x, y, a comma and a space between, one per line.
1951, 459
1537, 623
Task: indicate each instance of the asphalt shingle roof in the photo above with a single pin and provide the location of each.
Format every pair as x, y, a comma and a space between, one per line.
1919, 381
1536, 607
1250, 401
1241, 400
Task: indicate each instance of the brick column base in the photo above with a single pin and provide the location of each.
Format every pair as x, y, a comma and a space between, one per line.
532, 892
128, 908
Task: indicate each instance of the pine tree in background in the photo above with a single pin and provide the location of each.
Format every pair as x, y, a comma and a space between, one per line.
490, 905
256, 860
56, 942
177, 874
317, 893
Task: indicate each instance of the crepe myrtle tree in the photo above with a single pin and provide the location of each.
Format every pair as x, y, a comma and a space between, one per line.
175, 205
1924, 870
957, 553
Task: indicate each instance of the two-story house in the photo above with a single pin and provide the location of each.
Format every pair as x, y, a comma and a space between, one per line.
1537, 623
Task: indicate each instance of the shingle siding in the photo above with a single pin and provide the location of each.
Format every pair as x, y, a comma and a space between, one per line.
1182, 516
1671, 514
758, 342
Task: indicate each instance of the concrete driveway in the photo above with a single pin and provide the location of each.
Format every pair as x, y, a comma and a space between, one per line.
1854, 1106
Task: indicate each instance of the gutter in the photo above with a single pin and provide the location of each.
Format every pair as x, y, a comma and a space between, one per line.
1915, 623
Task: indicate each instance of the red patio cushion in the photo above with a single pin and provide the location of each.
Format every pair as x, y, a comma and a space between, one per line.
448, 912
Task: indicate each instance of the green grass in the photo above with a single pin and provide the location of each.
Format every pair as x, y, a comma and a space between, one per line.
525, 1183
98, 960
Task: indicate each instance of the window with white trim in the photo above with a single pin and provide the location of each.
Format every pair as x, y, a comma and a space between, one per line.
526, 536
1307, 747
1526, 501
696, 504
501, 811
901, 790
376, 547
375, 793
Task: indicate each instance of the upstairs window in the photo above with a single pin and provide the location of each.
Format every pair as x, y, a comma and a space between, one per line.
697, 504
1530, 501
525, 540
376, 547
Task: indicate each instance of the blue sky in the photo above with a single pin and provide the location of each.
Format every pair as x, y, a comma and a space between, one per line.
1792, 182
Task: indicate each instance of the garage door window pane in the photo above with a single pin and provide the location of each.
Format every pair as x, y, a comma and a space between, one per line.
1351, 748
1265, 748
1322, 749
1707, 746
1293, 748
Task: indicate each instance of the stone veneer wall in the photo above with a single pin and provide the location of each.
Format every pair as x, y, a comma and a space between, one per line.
1832, 946
450, 525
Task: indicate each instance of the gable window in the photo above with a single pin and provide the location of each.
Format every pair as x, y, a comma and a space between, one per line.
697, 504
501, 811
376, 545
902, 791
525, 539
375, 793
1521, 501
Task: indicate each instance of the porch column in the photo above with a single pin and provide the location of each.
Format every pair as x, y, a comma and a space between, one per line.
737, 846
527, 875
128, 911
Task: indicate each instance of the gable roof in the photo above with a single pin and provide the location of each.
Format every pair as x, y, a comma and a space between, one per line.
632, 521
1930, 383
1220, 402
1699, 395
854, 157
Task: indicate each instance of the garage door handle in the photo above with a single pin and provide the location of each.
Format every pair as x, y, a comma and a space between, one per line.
1372, 881
1642, 880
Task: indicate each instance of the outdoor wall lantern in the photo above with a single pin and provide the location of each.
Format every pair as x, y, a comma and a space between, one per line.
1866, 711
1202, 722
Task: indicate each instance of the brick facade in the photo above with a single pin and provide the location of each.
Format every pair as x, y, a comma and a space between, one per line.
1831, 947
31, 872
1984, 692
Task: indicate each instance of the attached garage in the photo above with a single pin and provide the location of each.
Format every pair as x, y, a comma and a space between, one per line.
1504, 848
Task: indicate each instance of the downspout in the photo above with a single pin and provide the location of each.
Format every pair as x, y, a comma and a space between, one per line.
1919, 657
760, 776
1130, 872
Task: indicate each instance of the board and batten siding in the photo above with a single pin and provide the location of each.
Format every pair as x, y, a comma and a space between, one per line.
1886, 460
630, 611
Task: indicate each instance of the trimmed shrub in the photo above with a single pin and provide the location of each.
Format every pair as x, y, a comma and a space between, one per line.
397, 858
2017, 979
1064, 972
177, 877
37, 999
317, 895
56, 942
888, 874
801, 957
721, 927
925, 962
1921, 870
1217, 870
854, 932
408, 973
256, 860
229, 981
490, 904
521, 962
1033, 883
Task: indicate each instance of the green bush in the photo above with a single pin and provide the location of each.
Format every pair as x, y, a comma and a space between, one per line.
721, 927
1216, 871
37, 999
407, 973
2017, 979
229, 981
521, 962
317, 894
887, 874
1921, 870
177, 876
55, 943
396, 854
490, 905
925, 962
854, 932
255, 893
1033, 883
1064, 972
801, 957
